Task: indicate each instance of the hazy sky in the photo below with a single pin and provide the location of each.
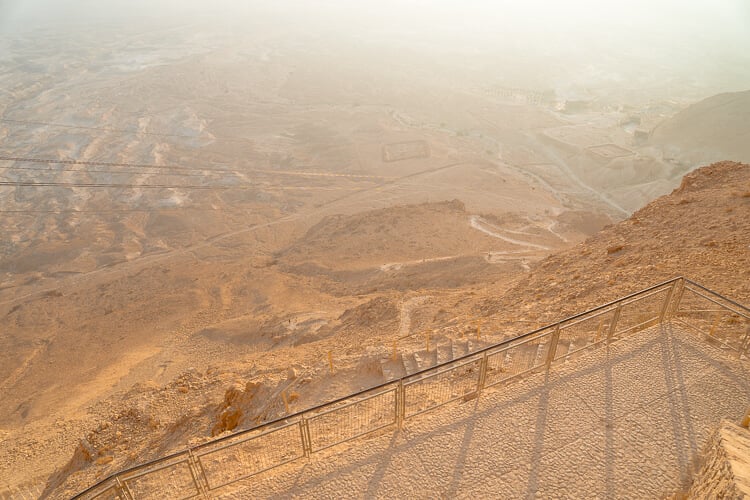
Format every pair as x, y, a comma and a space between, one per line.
717, 19
707, 37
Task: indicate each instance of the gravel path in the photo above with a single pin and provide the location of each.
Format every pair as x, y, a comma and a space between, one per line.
623, 422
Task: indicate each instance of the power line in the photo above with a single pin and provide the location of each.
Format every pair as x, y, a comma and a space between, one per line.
116, 130
106, 164
117, 211
122, 131
116, 172
167, 167
169, 186
118, 185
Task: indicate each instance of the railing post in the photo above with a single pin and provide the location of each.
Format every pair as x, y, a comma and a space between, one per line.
122, 489
553, 346
678, 297
613, 326
199, 479
715, 324
304, 430
482, 373
745, 343
667, 303
400, 404
599, 330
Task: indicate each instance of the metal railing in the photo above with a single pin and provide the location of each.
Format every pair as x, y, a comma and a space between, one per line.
722, 321
199, 471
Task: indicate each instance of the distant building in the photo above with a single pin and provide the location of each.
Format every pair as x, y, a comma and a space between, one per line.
640, 137
575, 106
522, 96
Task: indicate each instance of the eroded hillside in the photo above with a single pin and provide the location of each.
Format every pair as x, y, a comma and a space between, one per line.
701, 230
714, 128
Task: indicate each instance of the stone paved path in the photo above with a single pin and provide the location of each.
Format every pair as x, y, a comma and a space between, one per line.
622, 422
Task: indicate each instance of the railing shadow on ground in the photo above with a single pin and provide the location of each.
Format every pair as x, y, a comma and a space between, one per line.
506, 408
204, 469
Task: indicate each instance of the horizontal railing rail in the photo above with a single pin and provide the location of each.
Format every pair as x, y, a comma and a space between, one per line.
199, 470
720, 319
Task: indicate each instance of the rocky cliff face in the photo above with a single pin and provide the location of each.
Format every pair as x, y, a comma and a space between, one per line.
725, 471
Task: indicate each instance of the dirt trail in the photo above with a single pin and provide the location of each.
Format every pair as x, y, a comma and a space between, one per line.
551, 228
395, 266
407, 306
21, 370
563, 164
480, 224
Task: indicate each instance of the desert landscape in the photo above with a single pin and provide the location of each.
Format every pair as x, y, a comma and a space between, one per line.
210, 222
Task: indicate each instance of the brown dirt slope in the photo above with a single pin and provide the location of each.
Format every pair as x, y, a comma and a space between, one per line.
701, 231
390, 235
715, 128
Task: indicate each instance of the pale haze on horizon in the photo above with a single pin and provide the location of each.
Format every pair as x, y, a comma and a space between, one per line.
666, 36
611, 42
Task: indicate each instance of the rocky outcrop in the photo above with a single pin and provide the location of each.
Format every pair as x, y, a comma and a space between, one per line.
725, 472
